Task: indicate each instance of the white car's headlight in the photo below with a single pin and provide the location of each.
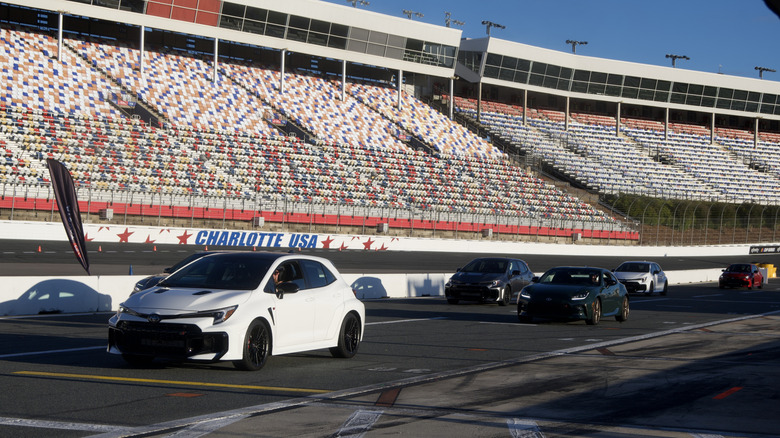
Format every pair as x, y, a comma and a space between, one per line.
222, 315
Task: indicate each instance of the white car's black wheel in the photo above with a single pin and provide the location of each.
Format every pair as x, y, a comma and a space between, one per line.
349, 337
257, 347
651, 289
666, 288
595, 315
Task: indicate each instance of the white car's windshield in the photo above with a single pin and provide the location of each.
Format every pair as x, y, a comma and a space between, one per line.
633, 267
222, 271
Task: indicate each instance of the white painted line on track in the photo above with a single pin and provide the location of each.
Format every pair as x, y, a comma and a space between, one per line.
736, 301
508, 323
358, 424
198, 430
655, 300
59, 425
69, 350
397, 321
520, 428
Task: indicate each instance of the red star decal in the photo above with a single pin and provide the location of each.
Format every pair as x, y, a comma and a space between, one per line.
167, 230
382, 248
149, 239
367, 244
393, 239
106, 228
326, 243
183, 238
87, 238
355, 237
343, 246
123, 237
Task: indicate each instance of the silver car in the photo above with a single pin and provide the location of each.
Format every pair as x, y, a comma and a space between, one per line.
645, 277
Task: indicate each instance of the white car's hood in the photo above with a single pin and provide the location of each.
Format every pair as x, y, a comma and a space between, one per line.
177, 300
630, 275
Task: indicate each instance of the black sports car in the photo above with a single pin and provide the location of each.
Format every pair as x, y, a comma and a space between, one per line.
574, 293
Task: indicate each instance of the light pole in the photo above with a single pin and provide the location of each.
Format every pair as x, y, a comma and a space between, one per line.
761, 71
574, 44
675, 58
448, 20
489, 24
409, 14
358, 2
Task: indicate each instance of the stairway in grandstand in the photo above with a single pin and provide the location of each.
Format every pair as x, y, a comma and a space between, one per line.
686, 165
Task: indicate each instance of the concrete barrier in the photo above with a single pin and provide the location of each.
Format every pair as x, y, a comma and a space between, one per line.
104, 293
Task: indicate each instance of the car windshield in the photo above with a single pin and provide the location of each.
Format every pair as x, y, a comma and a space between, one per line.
739, 268
186, 260
486, 266
581, 277
220, 271
633, 267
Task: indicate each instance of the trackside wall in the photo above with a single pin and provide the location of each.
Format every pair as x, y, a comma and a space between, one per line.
42, 294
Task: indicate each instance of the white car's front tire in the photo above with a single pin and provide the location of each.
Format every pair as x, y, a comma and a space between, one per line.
256, 347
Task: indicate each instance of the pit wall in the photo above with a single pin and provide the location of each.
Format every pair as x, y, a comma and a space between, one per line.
75, 294
103, 293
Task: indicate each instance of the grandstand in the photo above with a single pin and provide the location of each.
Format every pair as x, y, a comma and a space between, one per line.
326, 124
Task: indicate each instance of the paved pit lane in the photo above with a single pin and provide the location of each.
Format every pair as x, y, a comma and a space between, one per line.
698, 362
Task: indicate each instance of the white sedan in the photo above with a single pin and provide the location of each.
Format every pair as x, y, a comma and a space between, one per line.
240, 307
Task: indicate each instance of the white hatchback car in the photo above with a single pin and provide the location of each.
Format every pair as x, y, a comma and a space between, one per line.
647, 277
240, 307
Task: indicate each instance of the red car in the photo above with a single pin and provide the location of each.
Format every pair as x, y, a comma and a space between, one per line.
740, 275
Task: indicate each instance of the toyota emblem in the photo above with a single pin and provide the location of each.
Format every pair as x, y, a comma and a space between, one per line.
153, 318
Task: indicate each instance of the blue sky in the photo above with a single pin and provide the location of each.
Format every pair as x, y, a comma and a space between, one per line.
727, 36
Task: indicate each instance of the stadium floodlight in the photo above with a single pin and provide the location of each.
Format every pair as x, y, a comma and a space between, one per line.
448, 20
675, 58
489, 24
761, 71
409, 14
574, 44
358, 2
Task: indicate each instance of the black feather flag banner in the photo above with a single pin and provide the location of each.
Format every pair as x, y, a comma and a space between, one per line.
68, 205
